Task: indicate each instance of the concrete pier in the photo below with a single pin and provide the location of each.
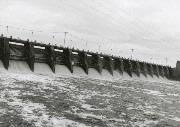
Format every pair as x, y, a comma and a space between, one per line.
161, 70
127, 66
150, 69
29, 54
108, 64
67, 56
5, 51
97, 62
83, 61
51, 58
118, 65
177, 71
155, 70
136, 67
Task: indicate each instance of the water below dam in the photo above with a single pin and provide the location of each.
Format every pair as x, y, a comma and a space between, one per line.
44, 99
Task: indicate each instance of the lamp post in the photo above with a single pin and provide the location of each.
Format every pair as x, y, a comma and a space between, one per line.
132, 50
65, 33
7, 28
166, 59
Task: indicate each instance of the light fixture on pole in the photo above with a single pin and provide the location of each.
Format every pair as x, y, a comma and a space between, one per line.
166, 60
7, 27
65, 33
132, 50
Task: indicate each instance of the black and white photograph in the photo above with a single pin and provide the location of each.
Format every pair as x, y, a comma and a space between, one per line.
89, 63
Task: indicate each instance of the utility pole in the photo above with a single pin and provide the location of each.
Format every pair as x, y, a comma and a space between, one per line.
65, 33
7, 30
86, 45
132, 50
151, 60
53, 38
166, 60
32, 33
99, 47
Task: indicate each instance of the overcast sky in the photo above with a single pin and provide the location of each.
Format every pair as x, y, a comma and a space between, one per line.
150, 27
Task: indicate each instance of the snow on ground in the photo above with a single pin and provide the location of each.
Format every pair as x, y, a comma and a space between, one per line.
36, 100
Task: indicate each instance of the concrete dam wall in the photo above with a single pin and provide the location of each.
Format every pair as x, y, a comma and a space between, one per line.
33, 52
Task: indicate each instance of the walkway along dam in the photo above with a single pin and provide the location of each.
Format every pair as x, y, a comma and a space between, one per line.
33, 52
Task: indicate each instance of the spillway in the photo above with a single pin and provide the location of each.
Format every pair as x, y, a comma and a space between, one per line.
21, 67
20, 55
41, 86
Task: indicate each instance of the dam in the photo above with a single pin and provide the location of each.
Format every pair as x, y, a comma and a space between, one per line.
52, 55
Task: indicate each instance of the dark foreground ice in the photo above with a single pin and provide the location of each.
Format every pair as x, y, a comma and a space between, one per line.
31, 100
